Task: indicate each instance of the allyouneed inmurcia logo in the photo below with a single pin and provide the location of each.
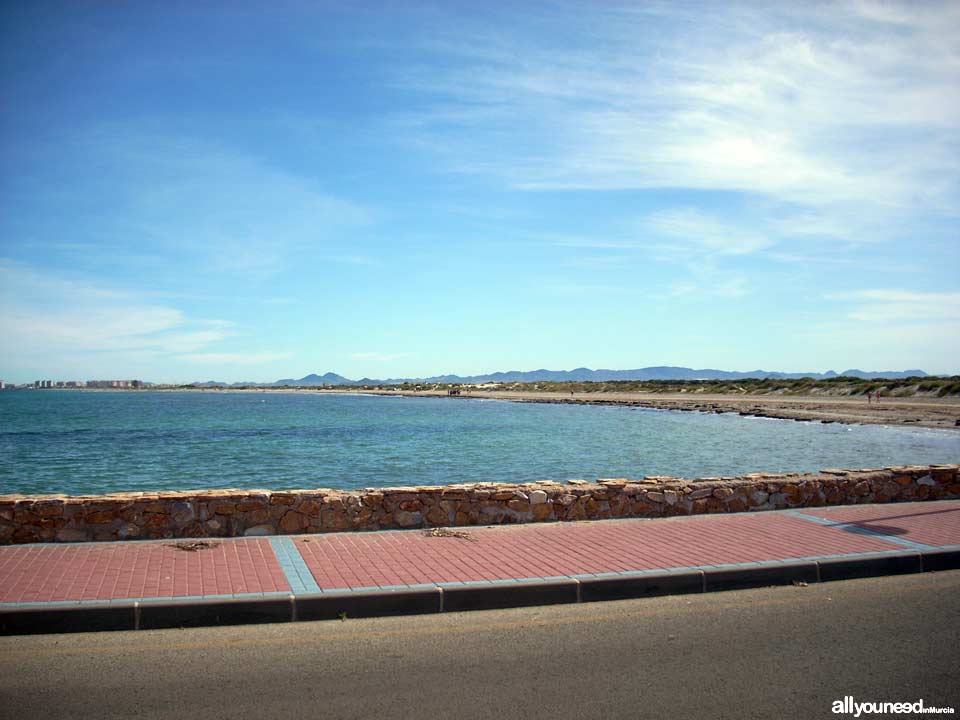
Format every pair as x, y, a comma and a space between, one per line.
848, 706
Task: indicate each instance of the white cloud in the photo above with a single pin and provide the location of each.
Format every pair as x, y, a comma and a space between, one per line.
888, 306
43, 315
827, 108
691, 231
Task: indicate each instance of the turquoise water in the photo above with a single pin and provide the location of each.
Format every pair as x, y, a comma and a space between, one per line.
93, 442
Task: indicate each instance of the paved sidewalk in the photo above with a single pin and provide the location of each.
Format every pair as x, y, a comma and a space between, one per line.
45, 587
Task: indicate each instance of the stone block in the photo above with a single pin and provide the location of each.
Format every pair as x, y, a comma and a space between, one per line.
542, 511
259, 531
22, 516
407, 519
438, 516
310, 508
249, 504
736, 504
72, 535
100, 517
49, 509
293, 522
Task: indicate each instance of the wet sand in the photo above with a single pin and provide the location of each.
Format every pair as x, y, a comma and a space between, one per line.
916, 411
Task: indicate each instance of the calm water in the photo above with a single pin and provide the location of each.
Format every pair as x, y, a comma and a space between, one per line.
85, 442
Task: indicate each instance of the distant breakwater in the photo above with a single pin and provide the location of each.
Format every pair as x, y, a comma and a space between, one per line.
236, 513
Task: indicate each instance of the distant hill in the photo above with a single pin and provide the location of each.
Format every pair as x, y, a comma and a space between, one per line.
661, 372
314, 379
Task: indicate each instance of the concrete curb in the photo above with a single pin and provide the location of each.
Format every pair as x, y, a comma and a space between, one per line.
934, 560
870, 566
68, 618
373, 603
509, 594
157, 615
678, 582
449, 597
739, 578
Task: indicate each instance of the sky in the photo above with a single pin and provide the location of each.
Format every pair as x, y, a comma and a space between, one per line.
252, 191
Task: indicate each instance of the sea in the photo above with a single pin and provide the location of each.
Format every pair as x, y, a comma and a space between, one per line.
83, 442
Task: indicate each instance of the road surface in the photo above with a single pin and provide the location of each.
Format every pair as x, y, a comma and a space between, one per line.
785, 652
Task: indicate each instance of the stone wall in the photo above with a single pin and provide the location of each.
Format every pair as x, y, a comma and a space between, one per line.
232, 513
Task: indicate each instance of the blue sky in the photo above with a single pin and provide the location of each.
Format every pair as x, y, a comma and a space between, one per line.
248, 191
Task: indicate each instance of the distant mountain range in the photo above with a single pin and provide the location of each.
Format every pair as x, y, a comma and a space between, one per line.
578, 375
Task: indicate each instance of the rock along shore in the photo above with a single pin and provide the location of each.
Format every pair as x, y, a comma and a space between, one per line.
235, 513
943, 413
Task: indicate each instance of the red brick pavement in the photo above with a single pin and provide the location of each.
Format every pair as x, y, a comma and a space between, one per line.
354, 560
113, 571
935, 523
110, 571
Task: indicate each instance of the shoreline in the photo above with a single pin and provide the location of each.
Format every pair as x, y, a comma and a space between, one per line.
926, 412
936, 413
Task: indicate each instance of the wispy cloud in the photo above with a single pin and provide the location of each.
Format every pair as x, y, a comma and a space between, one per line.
697, 244
43, 314
831, 108
689, 230
896, 305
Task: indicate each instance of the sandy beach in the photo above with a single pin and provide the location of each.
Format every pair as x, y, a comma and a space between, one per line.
941, 413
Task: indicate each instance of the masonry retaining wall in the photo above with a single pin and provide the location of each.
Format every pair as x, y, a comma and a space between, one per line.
233, 513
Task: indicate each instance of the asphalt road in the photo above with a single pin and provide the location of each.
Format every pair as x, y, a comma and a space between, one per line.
785, 652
